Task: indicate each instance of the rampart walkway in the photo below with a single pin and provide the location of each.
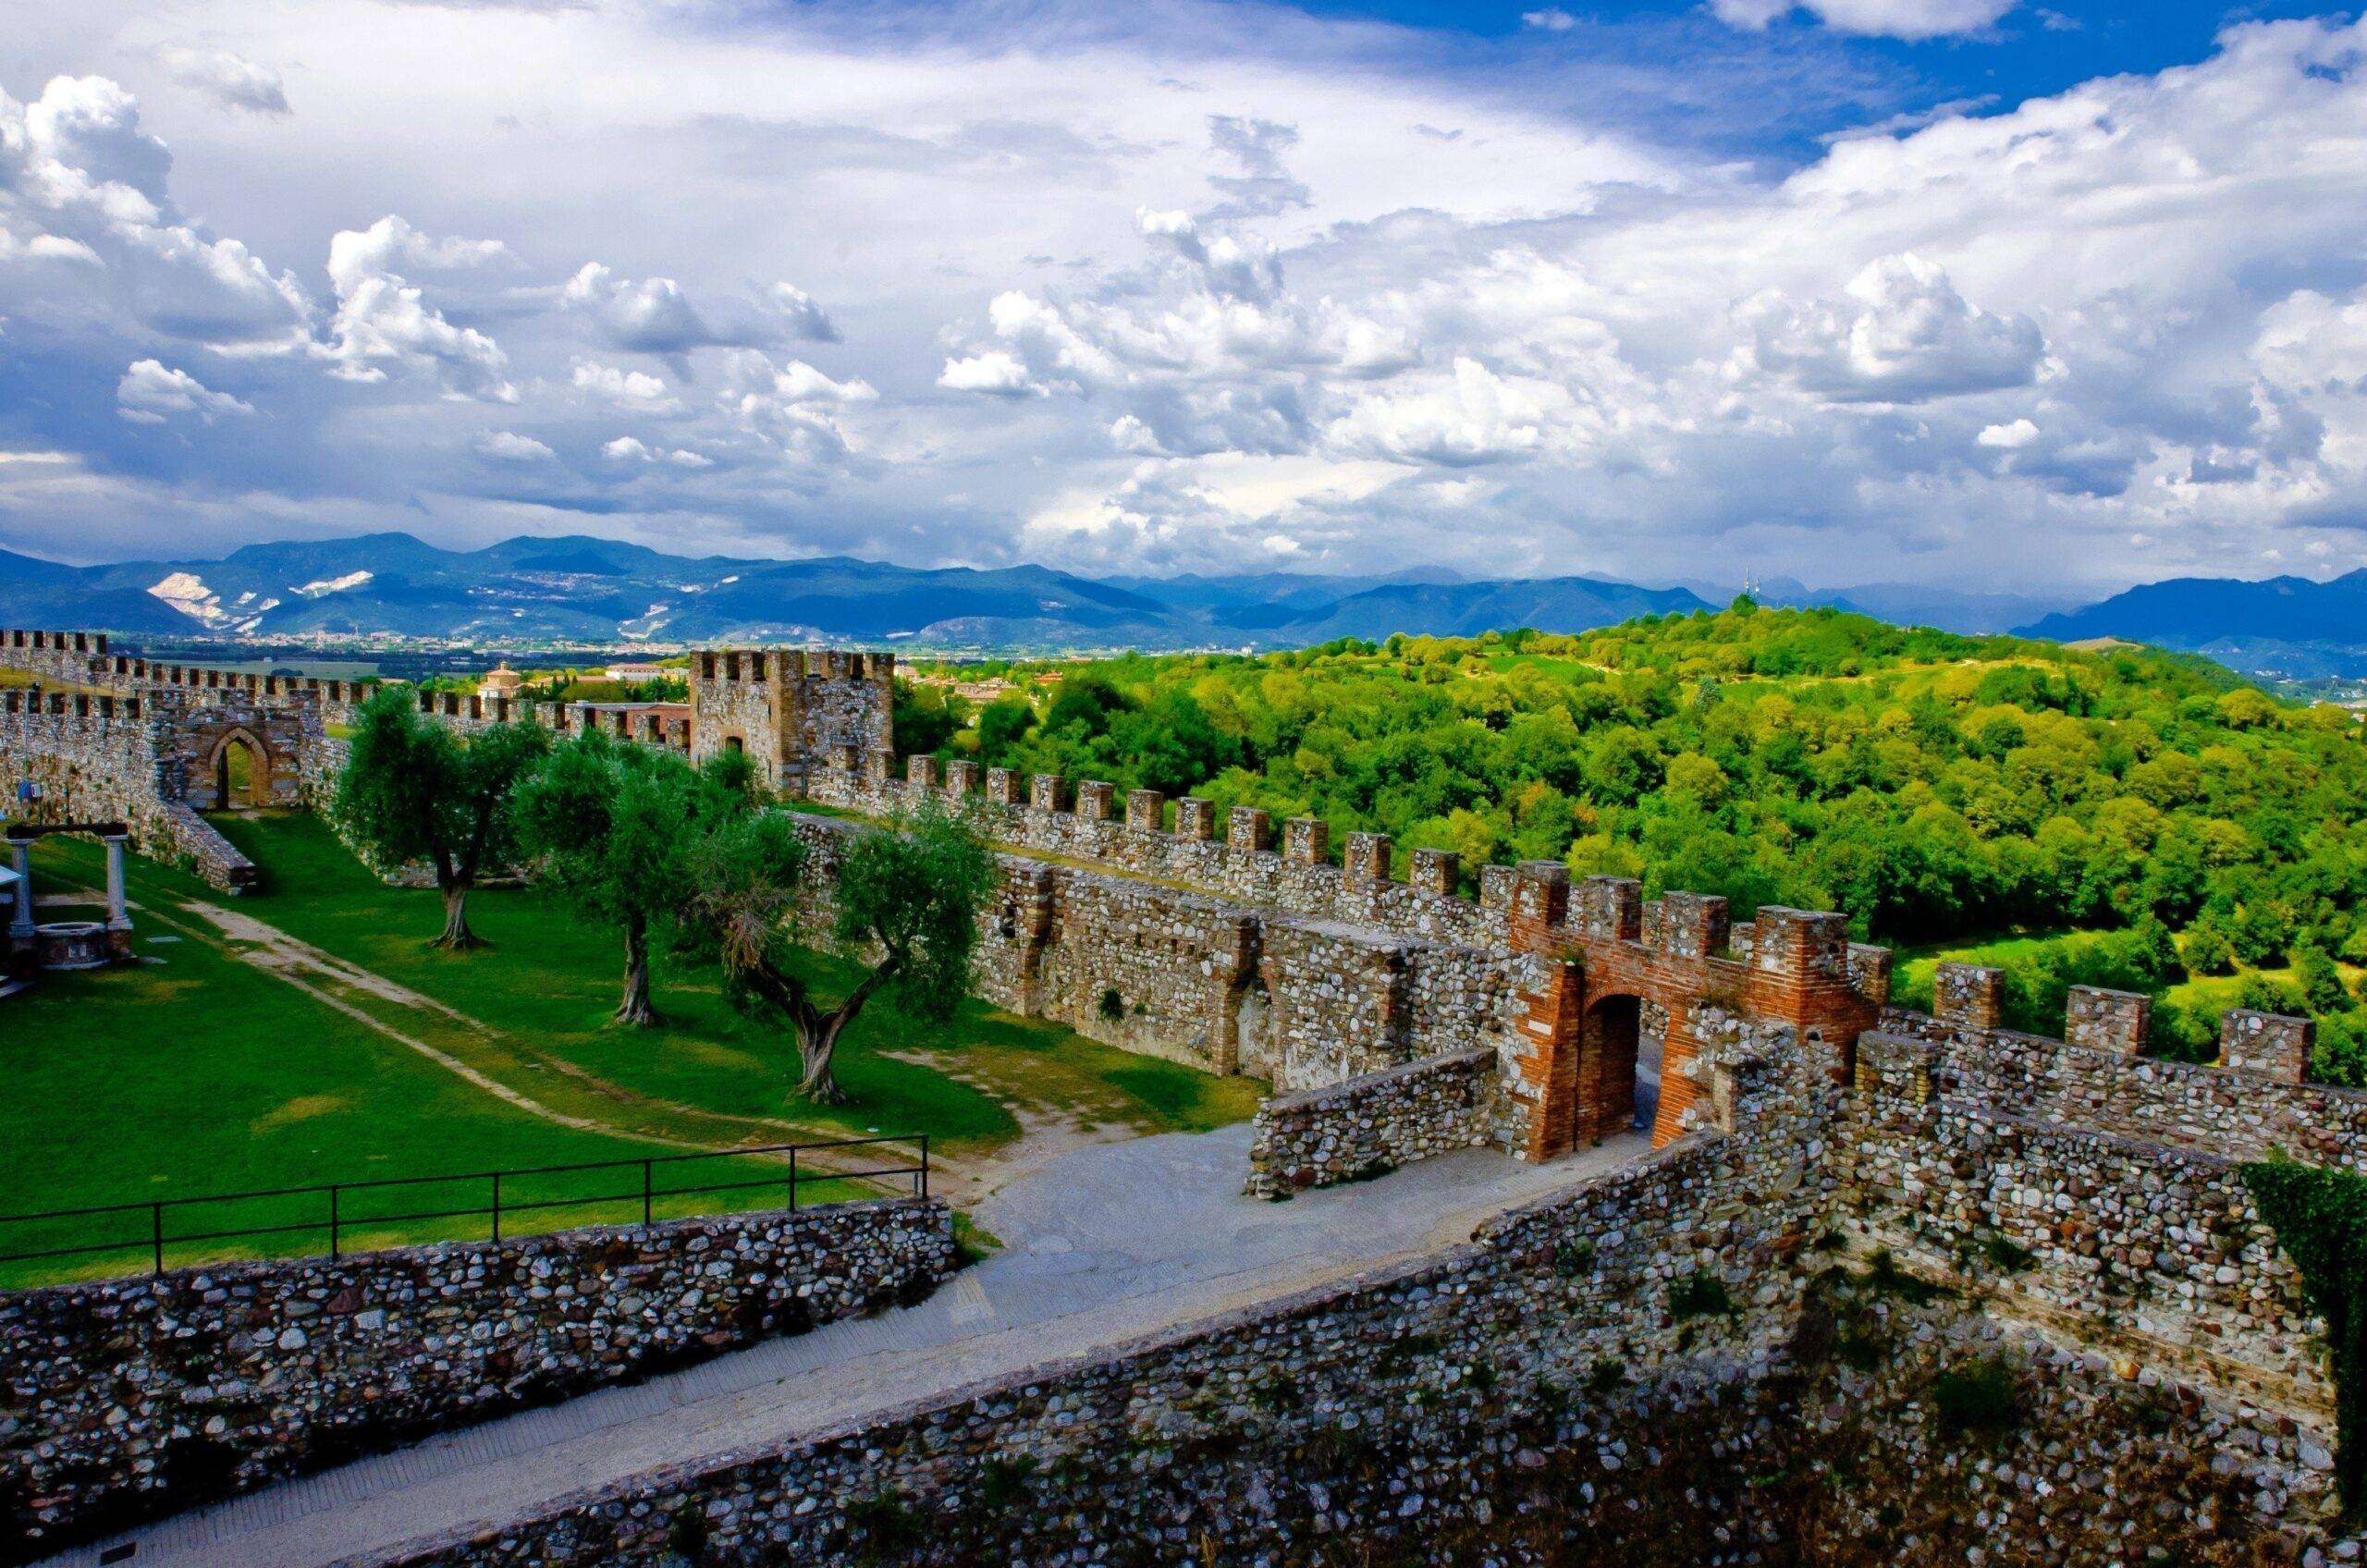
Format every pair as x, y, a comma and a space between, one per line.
1102, 1245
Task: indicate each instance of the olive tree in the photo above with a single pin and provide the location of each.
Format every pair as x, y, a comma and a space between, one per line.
905, 902
611, 827
413, 790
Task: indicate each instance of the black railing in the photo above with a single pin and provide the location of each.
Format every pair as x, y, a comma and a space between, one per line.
343, 1209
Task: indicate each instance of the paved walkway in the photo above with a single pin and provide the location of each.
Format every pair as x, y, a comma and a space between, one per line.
1102, 1245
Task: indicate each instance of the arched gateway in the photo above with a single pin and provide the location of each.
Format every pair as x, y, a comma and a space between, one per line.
1616, 967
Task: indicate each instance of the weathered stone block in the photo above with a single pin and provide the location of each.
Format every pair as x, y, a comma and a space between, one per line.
1969, 995
1046, 791
923, 773
1249, 827
1195, 819
2107, 1020
1094, 800
1307, 841
1002, 785
2268, 1043
1146, 810
1436, 872
1366, 857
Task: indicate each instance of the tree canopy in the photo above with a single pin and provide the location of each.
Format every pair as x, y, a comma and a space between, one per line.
413, 789
1932, 787
613, 828
906, 896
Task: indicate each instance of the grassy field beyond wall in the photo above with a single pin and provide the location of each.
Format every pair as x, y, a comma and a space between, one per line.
308, 1035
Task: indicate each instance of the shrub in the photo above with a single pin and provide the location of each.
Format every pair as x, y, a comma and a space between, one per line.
1978, 1399
1699, 1294
1112, 1006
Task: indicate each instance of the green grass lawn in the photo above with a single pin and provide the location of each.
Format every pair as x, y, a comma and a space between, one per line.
205, 1073
195, 1074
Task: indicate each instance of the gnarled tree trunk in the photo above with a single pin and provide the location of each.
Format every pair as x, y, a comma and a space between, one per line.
634, 1008
457, 936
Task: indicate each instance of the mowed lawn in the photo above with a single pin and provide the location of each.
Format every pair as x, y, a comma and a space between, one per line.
195, 1074
204, 1072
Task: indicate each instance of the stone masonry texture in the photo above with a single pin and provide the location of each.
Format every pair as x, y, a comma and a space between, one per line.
126, 1398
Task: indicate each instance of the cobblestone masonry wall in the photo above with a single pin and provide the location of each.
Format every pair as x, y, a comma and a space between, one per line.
1369, 1125
98, 759
2232, 1114
1168, 972
1153, 1453
132, 1396
2151, 1251
1663, 1367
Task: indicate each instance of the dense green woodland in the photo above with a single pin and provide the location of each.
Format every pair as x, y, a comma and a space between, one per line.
2167, 819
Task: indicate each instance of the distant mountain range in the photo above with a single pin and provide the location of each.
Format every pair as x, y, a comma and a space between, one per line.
587, 590
2287, 628
582, 590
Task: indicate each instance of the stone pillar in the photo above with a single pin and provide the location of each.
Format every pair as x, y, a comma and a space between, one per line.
1307, 841
1366, 858
1434, 871
1610, 908
1046, 792
1002, 785
878, 765
1968, 995
2107, 1020
1496, 888
1195, 819
1095, 800
1692, 925
1540, 902
1249, 827
1146, 810
921, 772
118, 912
962, 779
2270, 1044
20, 923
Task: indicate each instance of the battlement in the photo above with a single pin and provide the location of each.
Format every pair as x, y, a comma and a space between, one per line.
104, 709
777, 666
84, 643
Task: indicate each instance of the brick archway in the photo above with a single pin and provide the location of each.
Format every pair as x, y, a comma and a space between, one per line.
1684, 967
1611, 1038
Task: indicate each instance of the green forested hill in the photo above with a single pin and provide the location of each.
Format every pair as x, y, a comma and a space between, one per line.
2155, 816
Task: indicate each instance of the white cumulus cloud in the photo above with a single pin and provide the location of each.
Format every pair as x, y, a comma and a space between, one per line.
151, 394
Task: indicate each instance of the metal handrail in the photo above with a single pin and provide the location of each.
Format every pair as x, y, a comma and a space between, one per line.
155, 1237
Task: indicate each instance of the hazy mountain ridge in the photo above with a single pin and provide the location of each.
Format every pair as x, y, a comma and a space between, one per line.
587, 590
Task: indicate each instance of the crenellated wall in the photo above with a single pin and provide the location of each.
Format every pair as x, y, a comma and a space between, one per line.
786, 709
114, 759
1664, 1365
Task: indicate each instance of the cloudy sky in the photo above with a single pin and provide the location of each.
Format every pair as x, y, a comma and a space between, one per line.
1968, 291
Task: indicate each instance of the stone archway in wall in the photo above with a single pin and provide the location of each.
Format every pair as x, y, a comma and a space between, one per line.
240, 771
1245, 1029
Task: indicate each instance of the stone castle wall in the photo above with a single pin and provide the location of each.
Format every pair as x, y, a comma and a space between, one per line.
2141, 1247
1664, 1365
1157, 1452
1369, 1125
787, 709
1223, 985
130, 1397
110, 759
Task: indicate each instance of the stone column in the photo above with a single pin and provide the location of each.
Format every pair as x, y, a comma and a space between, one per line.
20, 924
118, 914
